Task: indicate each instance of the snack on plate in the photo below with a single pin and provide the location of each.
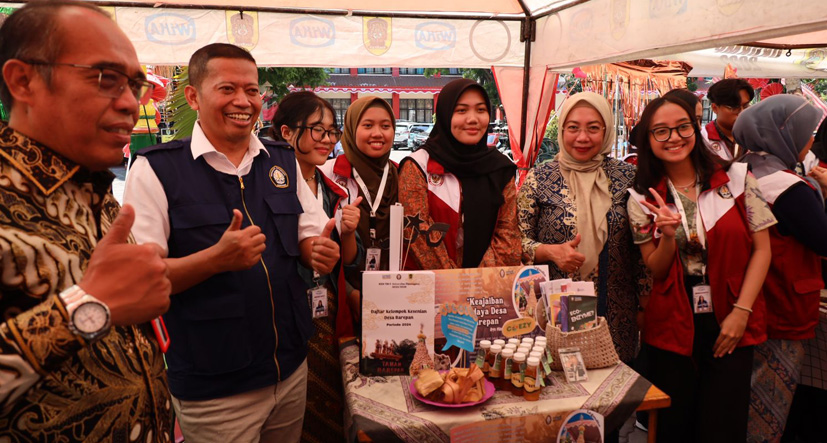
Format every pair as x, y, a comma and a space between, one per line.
428, 382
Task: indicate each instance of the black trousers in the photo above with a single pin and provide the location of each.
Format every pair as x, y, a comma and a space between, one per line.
710, 396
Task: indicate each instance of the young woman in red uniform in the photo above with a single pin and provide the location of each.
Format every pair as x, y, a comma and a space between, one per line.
702, 230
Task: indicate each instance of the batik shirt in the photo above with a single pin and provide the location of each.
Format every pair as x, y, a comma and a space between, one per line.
53, 385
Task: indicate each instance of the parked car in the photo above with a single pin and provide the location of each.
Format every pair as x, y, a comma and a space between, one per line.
401, 133
418, 134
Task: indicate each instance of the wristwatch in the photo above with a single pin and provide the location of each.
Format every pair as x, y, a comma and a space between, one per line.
89, 317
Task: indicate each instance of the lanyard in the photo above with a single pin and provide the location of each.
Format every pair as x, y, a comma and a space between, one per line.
699, 226
374, 205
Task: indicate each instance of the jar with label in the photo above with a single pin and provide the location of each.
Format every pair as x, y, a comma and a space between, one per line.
495, 368
500, 342
511, 346
518, 374
508, 360
482, 356
514, 341
527, 341
531, 384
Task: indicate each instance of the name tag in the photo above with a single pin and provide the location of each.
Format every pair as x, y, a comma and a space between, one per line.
702, 299
318, 301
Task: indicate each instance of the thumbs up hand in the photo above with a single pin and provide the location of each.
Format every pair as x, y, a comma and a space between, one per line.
238, 249
132, 280
564, 255
350, 217
325, 252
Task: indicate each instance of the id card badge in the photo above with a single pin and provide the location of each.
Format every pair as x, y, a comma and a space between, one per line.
372, 257
702, 299
318, 301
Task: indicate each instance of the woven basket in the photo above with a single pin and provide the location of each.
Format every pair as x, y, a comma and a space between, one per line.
595, 345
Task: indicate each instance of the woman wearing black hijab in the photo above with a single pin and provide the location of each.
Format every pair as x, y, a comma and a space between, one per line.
460, 195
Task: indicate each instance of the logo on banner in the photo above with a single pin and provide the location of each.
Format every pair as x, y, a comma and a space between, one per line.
729, 7
620, 18
665, 8
242, 29
376, 34
582, 25
493, 33
812, 58
279, 177
312, 32
435, 36
170, 29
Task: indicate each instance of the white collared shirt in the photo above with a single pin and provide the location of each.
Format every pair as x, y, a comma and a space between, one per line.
144, 191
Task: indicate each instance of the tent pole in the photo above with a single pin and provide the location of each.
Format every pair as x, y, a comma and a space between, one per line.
526, 36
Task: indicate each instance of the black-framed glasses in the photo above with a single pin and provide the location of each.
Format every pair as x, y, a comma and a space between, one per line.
317, 133
736, 109
663, 134
111, 82
590, 129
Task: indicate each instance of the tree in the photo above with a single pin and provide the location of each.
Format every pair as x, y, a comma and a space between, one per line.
277, 80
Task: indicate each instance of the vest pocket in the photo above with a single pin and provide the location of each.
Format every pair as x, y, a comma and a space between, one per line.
286, 209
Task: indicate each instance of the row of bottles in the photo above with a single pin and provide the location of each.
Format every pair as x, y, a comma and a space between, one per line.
514, 366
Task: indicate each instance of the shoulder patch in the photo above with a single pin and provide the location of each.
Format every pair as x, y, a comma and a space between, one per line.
279, 177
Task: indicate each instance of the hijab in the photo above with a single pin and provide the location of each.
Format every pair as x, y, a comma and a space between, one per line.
370, 170
780, 125
588, 183
483, 172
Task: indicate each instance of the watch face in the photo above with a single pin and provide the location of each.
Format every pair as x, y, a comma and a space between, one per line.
90, 317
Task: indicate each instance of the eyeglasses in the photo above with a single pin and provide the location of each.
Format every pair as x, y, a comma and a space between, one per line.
111, 82
685, 130
317, 133
736, 109
591, 129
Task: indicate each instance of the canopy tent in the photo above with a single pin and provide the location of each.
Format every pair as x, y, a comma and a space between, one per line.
531, 35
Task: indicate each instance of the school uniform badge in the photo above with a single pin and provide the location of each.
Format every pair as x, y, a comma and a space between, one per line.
436, 179
279, 177
724, 192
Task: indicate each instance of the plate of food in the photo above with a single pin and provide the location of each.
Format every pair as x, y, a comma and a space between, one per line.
456, 388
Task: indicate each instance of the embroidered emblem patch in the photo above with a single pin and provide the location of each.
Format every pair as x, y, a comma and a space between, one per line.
341, 182
716, 146
723, 191
436, 179
279, 177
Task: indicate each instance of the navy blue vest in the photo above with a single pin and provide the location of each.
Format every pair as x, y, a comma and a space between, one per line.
236, 331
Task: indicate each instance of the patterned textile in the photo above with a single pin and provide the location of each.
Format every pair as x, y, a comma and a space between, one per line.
759, 216
384, 409
547, 216
814, 368
53, 386
775, 374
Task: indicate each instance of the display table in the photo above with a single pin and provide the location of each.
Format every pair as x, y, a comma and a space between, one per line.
383, 409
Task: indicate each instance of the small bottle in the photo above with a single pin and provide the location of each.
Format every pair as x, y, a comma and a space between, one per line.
514, 341
518, 374
511, 346
532, 385
535, 354
528, 340
524, 349
482, 356
495, 368
539, 349
508, 361
499, 342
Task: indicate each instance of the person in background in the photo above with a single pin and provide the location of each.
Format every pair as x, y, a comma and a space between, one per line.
691, 99
366, 170
308, 124
80, 361
729, 97
456, 180
777, 134
231, 213
572, 215
702, 228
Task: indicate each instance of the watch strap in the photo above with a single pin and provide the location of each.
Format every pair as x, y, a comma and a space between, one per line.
72, 297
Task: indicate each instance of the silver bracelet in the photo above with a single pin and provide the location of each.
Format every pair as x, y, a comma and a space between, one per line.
735, 305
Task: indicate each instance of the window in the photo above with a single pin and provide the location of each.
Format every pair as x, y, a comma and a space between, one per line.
417, 110
338, 70
374, 70
411, 71
340, 105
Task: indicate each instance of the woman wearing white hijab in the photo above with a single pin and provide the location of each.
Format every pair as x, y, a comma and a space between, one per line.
778, 133
573, 217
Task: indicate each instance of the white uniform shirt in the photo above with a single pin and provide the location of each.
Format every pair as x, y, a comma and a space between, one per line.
144, 191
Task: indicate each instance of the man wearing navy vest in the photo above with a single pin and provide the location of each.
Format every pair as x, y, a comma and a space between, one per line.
228, 210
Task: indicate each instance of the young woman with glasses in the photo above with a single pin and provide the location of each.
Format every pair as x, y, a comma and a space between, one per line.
702, 228
572, 214
308, 124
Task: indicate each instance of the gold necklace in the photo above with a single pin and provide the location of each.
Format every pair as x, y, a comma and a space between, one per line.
310, 179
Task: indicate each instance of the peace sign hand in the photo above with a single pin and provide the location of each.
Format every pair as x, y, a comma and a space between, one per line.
666, 220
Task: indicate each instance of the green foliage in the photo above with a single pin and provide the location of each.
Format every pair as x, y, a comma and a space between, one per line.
819, 85
552, 127
277, 80
182, 117
692, 83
